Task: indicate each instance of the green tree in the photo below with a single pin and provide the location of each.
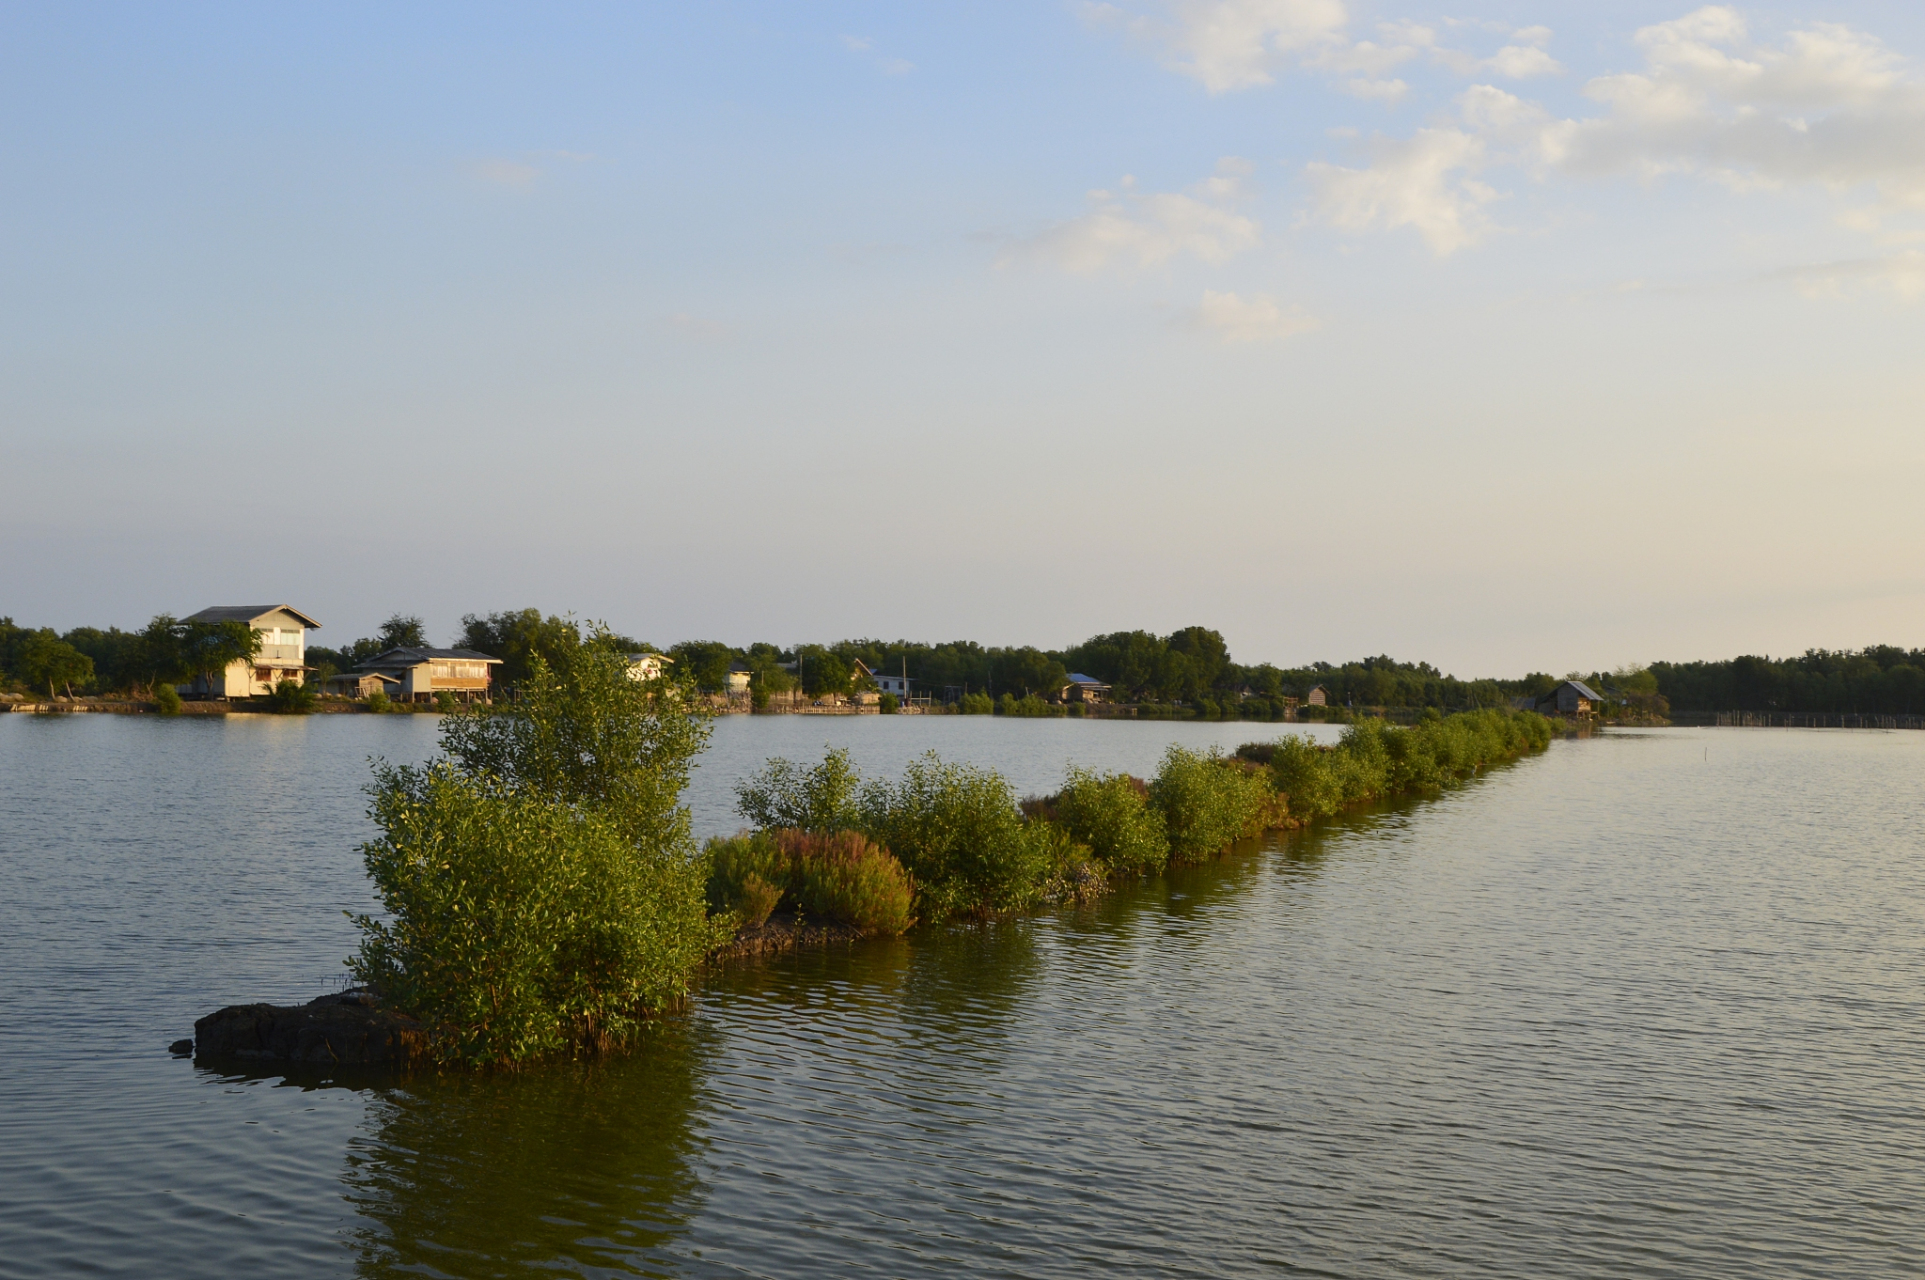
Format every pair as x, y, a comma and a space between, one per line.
403, 631
44, 658
541, 885
209, 648
517, 637
706, 662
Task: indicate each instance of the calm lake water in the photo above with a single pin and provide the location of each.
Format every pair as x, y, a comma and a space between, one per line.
1647, 1005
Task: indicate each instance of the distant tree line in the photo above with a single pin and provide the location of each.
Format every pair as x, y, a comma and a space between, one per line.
1880, 680
1189, 670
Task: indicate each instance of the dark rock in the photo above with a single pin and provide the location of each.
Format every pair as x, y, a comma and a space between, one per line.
181, 1048
350, 1027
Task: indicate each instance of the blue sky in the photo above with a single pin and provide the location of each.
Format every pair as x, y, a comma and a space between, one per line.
1530, 336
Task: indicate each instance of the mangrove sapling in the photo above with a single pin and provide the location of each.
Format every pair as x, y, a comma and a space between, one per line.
541, 885
784, 794
166, 699
1110, 813
378, 703
1208, 802
957, 830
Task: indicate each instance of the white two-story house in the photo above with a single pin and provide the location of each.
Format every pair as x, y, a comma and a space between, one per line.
283, 656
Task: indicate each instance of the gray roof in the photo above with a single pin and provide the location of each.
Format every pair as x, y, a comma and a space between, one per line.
406, 656
1077, 677
1584, 690
245, 613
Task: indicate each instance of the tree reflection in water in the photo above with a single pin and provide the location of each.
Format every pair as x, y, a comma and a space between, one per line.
567, 1168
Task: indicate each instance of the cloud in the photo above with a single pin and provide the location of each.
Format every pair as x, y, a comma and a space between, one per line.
507, 173
1901, 274
1520, 62
1824, 106
1257, 318
1388, 92
1231, 44
887, 65
1128, 229
1423, 182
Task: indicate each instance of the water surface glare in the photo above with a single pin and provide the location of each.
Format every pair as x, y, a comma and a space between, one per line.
1646, 1005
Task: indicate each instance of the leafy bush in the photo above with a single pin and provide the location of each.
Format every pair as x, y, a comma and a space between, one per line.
541, 886
444, 702
519, 926
889, 704
166, 699
291, 698
1110, 813
784, 794
378, 702
1208, 802
977, 704
957, 830
1029, 706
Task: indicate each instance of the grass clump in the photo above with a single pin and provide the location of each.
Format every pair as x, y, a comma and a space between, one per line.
541, 888
839, 876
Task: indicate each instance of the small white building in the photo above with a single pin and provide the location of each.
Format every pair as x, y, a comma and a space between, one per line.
740, 674
648, 666
283, 654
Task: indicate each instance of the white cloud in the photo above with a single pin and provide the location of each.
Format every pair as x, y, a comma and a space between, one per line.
1423, 183
1232, 44
1521, 61
1257, 318
1127, 229
1388, 92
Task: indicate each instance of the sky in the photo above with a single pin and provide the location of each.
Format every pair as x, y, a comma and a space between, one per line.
1534, 336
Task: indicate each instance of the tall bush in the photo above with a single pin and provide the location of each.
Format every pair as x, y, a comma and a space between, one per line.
1110, 813
957, 830
839, 876
541, 885
1208, 802
782, 793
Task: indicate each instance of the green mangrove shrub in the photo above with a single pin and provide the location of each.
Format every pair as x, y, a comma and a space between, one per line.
540, 884
291, 698
889, 704
1110, 813
167, 699
378, 702
819, 798
977, 704
957, 830
1208, 802
1374, 760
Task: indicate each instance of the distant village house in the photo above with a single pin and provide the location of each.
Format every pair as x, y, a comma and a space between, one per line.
1082, 688
1572, 698
1317, 697
419, 674
361, 684
648, 666
283, 655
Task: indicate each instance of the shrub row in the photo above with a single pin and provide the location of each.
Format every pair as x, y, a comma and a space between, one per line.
971, 850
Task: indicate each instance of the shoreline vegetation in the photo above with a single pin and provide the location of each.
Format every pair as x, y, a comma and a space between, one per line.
542, 893
1187, 674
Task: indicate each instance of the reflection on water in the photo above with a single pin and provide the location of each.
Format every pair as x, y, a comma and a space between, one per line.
567, 1168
